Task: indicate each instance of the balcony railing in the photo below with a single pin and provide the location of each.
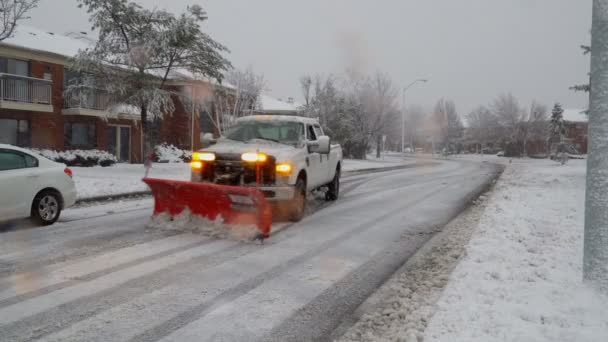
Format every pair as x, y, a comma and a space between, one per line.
25, 89
87, 98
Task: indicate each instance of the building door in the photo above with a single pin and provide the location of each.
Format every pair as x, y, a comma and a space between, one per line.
119, 142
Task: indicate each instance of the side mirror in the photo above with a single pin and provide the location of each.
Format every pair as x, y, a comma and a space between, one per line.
322, 145
207, 140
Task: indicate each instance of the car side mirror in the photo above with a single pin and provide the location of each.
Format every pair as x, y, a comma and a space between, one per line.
322, 145
207, 140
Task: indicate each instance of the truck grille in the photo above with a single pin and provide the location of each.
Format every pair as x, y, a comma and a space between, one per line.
229, 169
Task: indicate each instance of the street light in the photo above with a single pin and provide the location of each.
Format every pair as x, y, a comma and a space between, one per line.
403, 114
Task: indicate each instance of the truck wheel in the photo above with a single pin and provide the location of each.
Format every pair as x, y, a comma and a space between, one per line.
333, 188
298, 203
46, 207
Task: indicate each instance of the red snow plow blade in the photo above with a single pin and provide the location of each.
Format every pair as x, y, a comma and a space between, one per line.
235, 204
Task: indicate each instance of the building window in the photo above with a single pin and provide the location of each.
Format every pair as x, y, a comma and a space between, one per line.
79, 135
15, 132
14, 67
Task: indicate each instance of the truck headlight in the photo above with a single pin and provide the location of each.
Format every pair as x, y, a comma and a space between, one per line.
254, 157
196, 165
203, 156
284, 169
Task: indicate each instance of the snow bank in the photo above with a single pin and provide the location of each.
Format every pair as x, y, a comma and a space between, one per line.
521, 278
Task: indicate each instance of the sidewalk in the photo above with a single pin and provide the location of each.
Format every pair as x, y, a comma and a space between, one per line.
507, 269
122, 179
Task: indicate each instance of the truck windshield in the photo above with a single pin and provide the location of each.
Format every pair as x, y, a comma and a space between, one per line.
284, 132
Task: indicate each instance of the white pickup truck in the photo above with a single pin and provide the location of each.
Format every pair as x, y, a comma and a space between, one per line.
286, 157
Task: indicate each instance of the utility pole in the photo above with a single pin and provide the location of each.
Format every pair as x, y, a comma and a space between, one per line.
595, 259
403, 114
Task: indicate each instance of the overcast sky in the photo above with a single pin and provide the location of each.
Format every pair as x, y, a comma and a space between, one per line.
471, 50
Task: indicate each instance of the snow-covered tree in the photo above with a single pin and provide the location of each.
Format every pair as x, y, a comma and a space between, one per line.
557, 127
11, 12
139, 50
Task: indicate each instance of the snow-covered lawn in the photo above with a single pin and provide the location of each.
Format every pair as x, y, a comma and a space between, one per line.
126, 178
122, 178
521, 277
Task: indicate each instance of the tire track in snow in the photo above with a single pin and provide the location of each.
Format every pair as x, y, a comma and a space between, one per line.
75, 279
243, 288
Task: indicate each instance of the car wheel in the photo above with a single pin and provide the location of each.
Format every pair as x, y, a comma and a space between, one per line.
298, 203
333, 188
46, 207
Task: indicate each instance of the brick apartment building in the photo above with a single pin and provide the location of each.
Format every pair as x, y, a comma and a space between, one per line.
34, 112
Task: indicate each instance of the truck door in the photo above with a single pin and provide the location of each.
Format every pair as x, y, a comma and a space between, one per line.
313, 161
326, 172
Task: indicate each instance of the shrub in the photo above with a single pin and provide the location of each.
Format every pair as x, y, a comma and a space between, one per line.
167, 153
85, 158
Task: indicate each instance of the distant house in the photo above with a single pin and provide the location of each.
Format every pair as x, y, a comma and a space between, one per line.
576, 121
271, 105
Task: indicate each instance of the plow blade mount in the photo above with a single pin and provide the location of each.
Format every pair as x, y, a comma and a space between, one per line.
234, 204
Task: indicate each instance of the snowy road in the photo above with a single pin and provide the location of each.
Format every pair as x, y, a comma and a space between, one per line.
109, 278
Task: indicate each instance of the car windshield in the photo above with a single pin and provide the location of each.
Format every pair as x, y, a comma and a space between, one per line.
284, 132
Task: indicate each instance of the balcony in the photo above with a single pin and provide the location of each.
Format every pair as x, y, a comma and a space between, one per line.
86, 101
25, 93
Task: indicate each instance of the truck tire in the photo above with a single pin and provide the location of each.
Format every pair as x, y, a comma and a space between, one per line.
46, 207
298, 203
333, 188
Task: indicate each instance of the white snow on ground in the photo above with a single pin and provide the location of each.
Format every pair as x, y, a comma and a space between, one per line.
122, 178
126, 178
521, 278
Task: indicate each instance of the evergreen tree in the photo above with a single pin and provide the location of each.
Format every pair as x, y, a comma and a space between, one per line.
557, 128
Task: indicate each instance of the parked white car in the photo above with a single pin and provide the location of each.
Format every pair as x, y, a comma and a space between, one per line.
31, 185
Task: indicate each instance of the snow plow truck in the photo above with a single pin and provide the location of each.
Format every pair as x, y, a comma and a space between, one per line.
262, 164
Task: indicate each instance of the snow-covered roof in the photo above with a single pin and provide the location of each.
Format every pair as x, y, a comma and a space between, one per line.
272, 104
34, 39
575, 115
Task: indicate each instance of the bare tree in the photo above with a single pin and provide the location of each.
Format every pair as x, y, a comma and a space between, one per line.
448, 124
248, 88
534, 125
482, 127
13, 11
510, 115
306, 86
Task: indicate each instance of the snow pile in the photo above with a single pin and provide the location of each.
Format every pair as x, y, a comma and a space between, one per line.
186, 222
521, 278
167, 153
84, 158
